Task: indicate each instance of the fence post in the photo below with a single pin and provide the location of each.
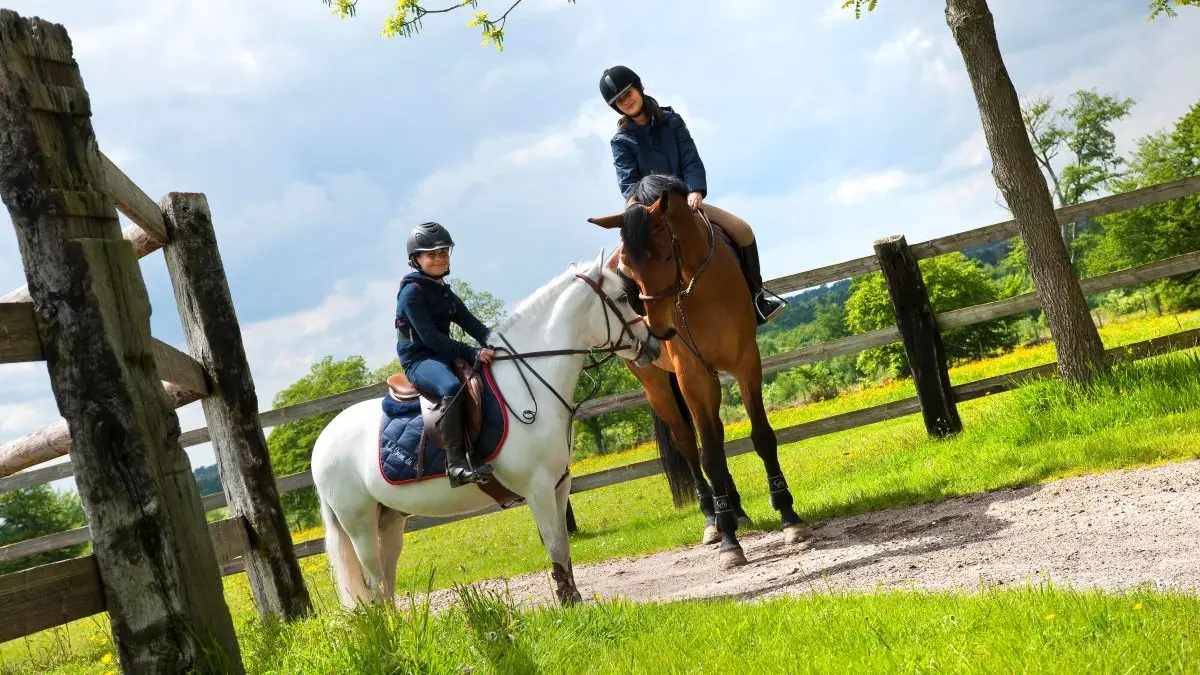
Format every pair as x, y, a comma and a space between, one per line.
215, 340
161, 583
920, 334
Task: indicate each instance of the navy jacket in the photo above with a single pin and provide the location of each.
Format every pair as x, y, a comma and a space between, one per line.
424, 311
639, 151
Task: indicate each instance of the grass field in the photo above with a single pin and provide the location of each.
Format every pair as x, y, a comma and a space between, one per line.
1148, 413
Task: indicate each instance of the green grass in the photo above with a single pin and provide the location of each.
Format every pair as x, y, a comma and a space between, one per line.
1039, 629
1147, 413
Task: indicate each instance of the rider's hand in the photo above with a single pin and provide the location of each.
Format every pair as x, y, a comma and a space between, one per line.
694, 199
486, 354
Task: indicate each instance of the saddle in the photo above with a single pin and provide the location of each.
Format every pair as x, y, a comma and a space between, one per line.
402, 390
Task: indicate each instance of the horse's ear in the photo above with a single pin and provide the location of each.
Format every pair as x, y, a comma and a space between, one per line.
609, 222
599, 264
659, 207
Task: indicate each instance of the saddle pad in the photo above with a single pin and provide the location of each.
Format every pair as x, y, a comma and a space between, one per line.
403, 458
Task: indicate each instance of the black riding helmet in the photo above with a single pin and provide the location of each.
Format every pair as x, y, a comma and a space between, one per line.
615, 81
428, 236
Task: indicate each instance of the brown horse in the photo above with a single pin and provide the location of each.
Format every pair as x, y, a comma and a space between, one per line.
698, 305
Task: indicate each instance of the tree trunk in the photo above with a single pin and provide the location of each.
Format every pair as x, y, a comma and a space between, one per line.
593, 425
1015, 168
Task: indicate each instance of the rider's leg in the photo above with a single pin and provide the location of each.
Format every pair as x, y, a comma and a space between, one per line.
434, 376
766, 308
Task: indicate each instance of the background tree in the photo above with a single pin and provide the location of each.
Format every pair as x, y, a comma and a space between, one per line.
1082, 128
291, 444
1019, 178
37, 512
1160, 231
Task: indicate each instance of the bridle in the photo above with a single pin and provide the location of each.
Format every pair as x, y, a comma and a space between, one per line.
681, 292
609, 348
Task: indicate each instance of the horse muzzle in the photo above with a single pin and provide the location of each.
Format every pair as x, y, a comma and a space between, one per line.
647, 352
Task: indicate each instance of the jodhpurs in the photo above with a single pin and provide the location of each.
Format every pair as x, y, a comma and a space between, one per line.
433, 376
736, 227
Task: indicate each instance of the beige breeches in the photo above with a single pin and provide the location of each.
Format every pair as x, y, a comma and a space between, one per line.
736, 227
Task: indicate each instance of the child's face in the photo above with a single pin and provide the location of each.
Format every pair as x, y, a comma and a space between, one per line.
434, 263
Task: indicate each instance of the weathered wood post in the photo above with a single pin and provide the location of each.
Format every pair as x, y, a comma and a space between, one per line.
920, 334
161, 583
214, 338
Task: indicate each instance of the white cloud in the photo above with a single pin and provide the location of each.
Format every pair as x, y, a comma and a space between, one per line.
935, 56
869, 187
971, 152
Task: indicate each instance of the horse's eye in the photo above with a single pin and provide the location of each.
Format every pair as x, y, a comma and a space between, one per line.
623, 299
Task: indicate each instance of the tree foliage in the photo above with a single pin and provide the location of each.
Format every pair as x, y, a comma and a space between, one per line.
291, 444
1163, 230
407, 17
953, 281
37, 512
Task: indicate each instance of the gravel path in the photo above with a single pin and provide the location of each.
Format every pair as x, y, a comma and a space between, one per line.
1113, 530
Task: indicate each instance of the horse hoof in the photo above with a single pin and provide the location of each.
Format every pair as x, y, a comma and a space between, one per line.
711, 535
745, 522
794, 534
732, 558
571, 598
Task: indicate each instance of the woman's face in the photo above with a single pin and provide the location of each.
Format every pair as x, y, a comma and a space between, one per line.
434, 263
630, 102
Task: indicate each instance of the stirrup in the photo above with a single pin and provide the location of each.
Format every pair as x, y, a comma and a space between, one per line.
463, 475
762, 299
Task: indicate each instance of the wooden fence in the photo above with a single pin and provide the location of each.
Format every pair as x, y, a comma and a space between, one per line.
57, 593
155, 566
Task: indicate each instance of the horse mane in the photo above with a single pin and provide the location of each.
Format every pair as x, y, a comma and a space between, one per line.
546, 295
636, 226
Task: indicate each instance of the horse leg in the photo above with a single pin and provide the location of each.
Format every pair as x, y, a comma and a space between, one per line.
766, 446
363, 529
391, 542
703, 394
676, 438
549, 512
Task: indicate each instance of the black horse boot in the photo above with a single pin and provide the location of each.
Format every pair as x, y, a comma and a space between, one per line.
458, 466
765, 308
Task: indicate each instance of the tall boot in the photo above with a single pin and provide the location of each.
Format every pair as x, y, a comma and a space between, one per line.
765, 308
458, 466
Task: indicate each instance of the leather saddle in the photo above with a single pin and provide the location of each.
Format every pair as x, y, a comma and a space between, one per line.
402, 390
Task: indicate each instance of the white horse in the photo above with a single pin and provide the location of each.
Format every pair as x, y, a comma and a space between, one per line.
365, 516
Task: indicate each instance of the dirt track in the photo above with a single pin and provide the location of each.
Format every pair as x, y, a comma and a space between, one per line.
1113, 530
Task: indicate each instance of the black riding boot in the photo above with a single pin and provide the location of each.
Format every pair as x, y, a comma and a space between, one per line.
766, 308
458, 466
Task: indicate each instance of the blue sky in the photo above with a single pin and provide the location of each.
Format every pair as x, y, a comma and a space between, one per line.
320, 143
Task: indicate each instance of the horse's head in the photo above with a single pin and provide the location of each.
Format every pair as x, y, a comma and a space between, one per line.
611, 320
650, 253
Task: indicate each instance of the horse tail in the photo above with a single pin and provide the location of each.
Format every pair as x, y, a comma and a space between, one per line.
674, 465
347, 570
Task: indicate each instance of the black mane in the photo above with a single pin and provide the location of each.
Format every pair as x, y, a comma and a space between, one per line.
653, 186
636, 227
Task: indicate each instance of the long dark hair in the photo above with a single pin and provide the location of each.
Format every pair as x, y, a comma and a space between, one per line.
654, 114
